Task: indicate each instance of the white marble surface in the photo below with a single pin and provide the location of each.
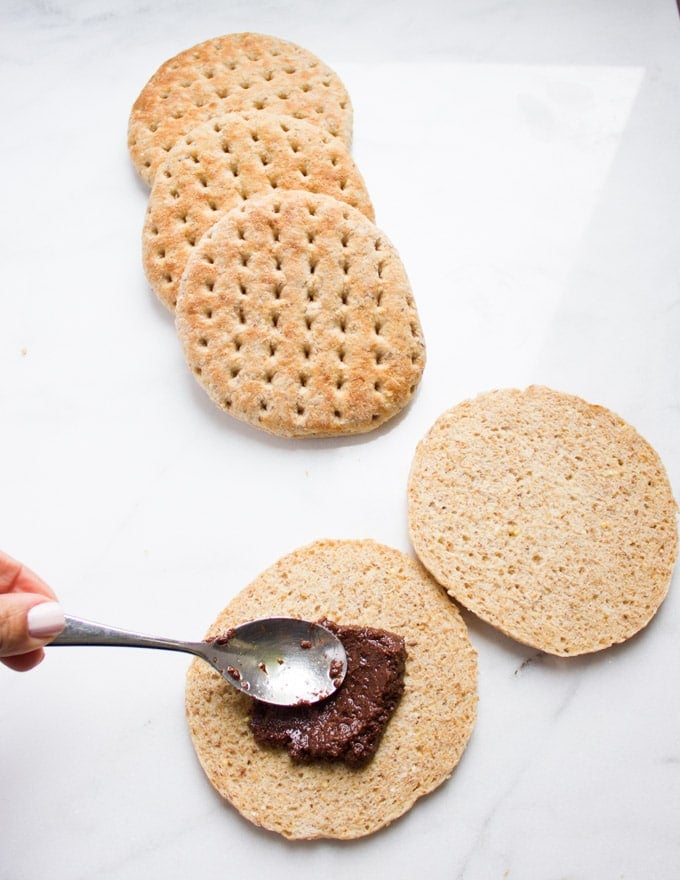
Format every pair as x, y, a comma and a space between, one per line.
523, 157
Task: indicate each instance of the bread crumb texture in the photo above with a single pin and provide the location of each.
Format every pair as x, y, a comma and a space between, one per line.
296, 316
233, 73
549, 517
357, 583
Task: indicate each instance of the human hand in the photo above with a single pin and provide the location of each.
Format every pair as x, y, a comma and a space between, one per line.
29, 615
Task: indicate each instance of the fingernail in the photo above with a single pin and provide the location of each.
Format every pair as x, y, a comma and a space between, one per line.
46, 619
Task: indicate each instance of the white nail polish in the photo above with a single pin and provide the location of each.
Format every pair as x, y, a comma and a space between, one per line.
46, 619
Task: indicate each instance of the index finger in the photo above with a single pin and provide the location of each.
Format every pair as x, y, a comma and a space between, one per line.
17, 578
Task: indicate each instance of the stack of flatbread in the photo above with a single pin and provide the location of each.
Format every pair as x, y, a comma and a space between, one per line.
293, 308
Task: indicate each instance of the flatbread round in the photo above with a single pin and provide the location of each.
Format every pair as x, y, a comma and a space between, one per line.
549, 517
236, 72
297, 317
222, 162
356, 583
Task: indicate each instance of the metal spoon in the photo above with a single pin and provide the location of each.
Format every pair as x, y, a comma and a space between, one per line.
278, 660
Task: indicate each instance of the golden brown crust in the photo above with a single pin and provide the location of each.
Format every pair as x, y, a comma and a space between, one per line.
234, 72
353, 582
218, 164
296, 316
549, 517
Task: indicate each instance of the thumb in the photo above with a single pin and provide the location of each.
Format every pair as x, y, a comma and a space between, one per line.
27, 622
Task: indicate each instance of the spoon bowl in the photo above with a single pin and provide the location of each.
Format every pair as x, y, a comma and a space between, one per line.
279, 660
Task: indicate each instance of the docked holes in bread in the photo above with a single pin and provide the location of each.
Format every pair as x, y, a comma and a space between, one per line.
297, 317
222, 162
235, 72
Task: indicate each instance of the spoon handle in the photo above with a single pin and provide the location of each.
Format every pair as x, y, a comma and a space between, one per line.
85, 632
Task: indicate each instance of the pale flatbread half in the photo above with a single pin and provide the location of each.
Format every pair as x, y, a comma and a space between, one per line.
357, 583
549, 517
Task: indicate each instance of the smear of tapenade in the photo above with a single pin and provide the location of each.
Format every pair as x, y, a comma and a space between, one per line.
348, 725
